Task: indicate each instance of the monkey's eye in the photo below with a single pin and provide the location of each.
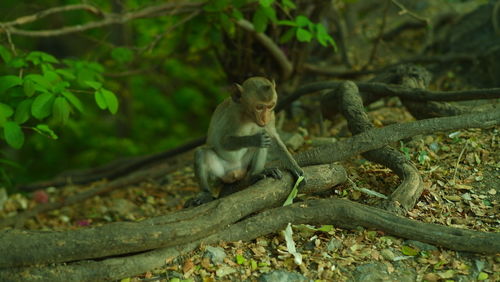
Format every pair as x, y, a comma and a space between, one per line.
259, 107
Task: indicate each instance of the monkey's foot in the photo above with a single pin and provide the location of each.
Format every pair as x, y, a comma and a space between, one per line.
198, 200
273, 172
268, 172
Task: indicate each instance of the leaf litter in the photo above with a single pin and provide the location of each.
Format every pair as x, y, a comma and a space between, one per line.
462, 182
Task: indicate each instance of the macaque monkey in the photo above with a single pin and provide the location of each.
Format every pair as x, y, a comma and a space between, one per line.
241, 131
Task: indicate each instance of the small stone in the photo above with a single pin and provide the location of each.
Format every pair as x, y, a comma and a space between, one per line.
334, 244
420, 245
122, 206
224, 271
371, 272
453, 198
282, 276
388, 254
294, 141
216, 254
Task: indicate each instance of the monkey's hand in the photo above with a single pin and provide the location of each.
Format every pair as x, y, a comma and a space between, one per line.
262, 140
273, 172
297, 172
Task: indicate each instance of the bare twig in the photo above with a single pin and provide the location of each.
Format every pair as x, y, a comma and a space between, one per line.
366, 190
494, 17
380, 34
458, 161
171, 8
423, 59
158, 37
268, 43
50, 11
404, 10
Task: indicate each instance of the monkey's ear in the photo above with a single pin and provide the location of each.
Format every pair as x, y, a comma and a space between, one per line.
236, 95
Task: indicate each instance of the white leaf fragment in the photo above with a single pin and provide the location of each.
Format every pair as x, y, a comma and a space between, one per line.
290, 244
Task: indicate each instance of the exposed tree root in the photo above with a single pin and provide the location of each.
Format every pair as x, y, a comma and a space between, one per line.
411, 187
376, 138
341, 213
33, 247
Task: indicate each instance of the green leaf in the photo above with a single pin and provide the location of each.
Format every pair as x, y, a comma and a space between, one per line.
482, 276
326, 228
322, 34
9, 81
266, 3
111, 100
293, 193
66, 74
17, 63
45, 130
260, 20
237, 14
23, 111
240, 259
226, 23
302, 21
288, 4
42, 106
270, 13
42, 82
303, 35
51, 76
5, 111
5, 54
288, 35
94, 84
287, 23
100, 100
73, 100
122, 54
36, 57
409, 251
61, 110
28, 87
13, 134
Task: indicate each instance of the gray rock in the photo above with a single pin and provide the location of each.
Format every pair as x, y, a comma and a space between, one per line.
282, 276
216, 254
224, 270
420, 245
371, 272
294, 141
388, 254
377, 272
122, 206
334, 244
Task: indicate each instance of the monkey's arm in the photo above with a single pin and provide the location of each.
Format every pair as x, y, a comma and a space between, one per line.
285, 157
232, 143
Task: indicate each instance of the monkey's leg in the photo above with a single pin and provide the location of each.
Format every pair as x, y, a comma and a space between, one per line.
207, 166
257, 170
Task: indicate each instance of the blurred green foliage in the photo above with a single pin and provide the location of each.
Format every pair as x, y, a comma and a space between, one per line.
84, 99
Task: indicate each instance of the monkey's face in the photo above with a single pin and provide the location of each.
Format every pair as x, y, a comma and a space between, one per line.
262, 113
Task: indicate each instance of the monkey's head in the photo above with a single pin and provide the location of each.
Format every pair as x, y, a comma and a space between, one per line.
258, 98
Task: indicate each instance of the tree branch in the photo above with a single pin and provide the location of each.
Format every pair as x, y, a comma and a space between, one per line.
109, 18
383, 89
268, 43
